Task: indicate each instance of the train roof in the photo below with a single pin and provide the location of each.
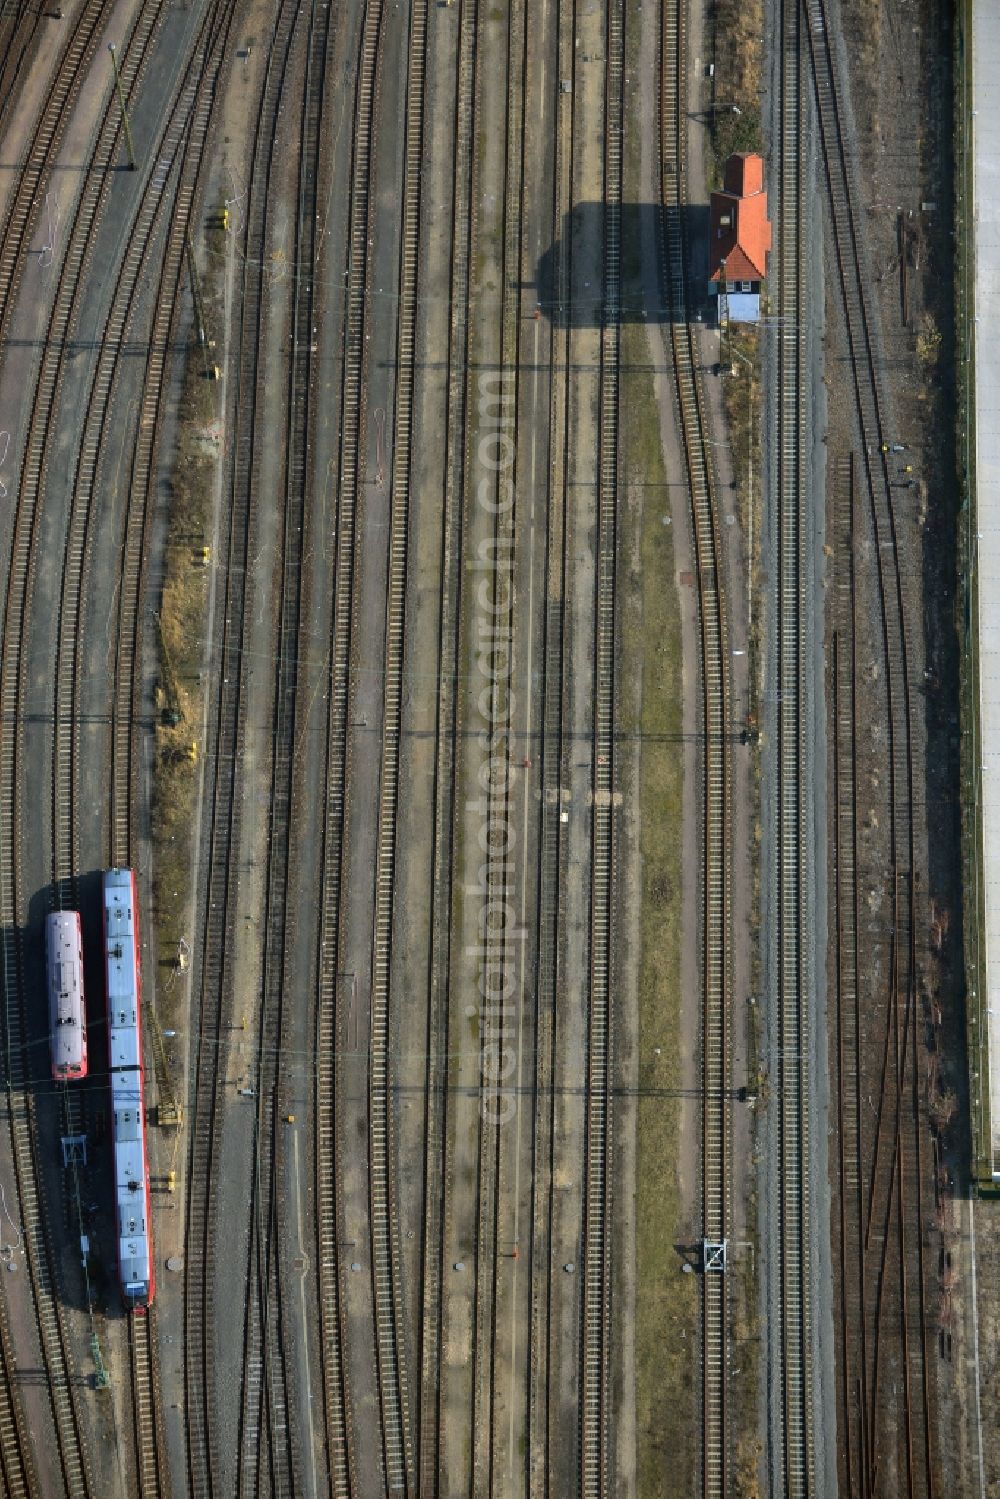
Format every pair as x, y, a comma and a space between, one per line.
122, 978
133, 1239
62, 922
125, 1055
64, 977
125, 1049
119, 917
130, 1184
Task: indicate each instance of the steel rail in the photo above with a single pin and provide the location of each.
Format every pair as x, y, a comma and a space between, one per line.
432, 1470
795, 1401
596, 1478
18, 1477
161, 196
224, 819
391, 1382
128, 682
51, 1322
554, 771
41, 427
150, 1448
182, 134
27, 199
498, 344
145, 1377
266, 1342
332, 1013
853, 1374
15, 40
903, 1127
715, 770
35, 1228
383, 1187
396, 1440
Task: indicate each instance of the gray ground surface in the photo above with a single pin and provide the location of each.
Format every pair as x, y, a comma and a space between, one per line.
108, 1448
475, 1356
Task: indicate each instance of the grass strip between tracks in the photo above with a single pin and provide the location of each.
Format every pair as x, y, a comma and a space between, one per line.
198, 449
736, 41
666, 1314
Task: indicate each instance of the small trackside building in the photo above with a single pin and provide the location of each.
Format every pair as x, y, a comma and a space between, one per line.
739, 239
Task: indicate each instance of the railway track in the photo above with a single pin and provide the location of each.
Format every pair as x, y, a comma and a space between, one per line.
19, 25
873, 1236
392, 1413
51, 1320
181, 152
27, 200
332, 1023
179, 130
36, 447
431, 1469
128, 686
495, 335
150, 1452
339, 1024
34, 1226
715, 770
887, 1323
175, 161
17, 1467
267, 1340
337, 1020
167, 194
398, 1453
795, 1456
554, 773
853, 1371
224, 818
596, 1479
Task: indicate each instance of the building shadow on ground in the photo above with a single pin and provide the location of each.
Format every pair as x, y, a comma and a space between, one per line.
573, 292
74, 1181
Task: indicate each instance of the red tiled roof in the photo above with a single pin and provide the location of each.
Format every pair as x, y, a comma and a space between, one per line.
740, 231
744, 174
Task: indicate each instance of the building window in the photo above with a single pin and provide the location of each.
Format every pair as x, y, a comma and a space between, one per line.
730, 286
746, 286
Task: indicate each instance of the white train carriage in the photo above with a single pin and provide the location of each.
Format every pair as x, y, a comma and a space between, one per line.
67, 1011
124, 990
